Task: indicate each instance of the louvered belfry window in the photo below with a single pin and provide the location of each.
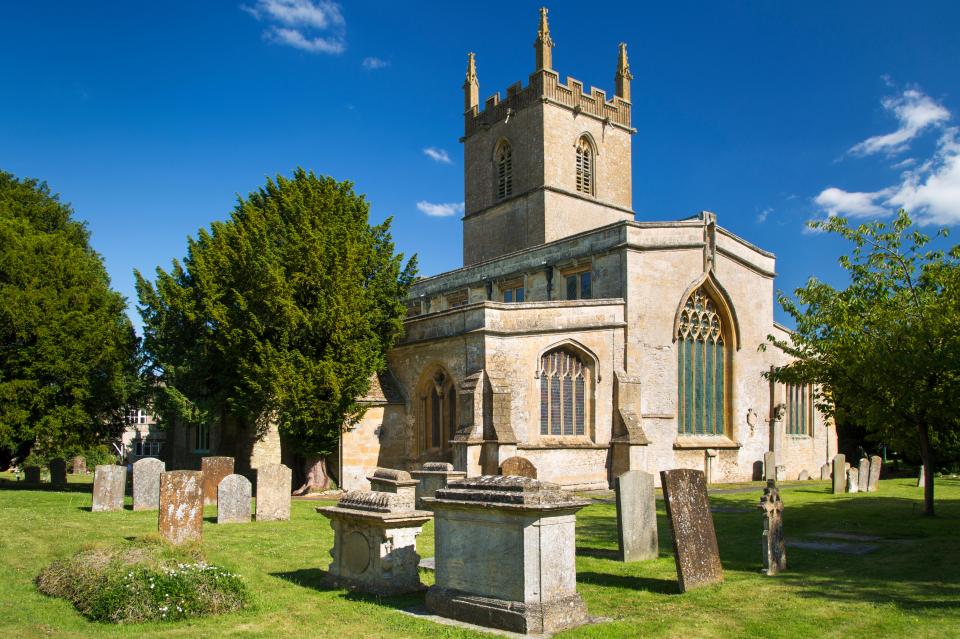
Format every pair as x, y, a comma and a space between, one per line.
504, 158
701, 367
584, 166
562, 394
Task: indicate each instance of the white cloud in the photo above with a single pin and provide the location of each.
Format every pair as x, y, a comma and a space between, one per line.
438, 155
839, 202
932, 191
374, 63
315, 26
902, 164
763, 215
440, 210
915, 112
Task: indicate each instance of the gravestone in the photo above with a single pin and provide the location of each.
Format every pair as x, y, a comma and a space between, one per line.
876, 463
774, 548
636, 516
31, 474
804, 475
214, 470
921, 480
769, 465
781, 474
432, 477
181, 506
79, 465
399, 482
233, 500
853, 480
839, 475
518, 467
694, 537
109, 485
58, 471
274, 485
863, 475
146, 483
506, 554
374, 542
825, 472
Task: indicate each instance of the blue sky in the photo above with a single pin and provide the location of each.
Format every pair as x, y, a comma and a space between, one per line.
150, 118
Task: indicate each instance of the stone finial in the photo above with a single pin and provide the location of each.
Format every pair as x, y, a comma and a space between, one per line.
471, 86
623, 77
544, 43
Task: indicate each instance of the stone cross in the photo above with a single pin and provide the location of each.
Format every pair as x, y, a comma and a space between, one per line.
233, 500
839, 475
31, 474
58, 471
876, 463
863, 475
637, 516
274, 485
769, 465
181, 506
853, 480
146, 483
694, 537
774, 547
518, 467
214, 470
109, 486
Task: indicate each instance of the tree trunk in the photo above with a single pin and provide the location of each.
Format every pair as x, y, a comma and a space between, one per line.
926, 454
316, 477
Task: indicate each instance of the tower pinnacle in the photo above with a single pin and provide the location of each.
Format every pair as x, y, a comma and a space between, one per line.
544, 44
471, 86
623, 77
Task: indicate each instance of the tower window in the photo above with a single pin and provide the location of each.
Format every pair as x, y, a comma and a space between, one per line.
585, 177
504, 160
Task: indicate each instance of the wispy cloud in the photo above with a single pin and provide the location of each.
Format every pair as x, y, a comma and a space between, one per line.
914, 112
315, 26
440, 210
438, 155
374, 63
763, 215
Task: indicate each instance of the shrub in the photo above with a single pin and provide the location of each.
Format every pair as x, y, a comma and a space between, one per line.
143, 581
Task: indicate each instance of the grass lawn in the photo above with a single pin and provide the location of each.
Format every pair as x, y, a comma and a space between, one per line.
909, 587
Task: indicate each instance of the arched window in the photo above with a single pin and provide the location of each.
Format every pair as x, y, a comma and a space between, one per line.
563, 394
504, 161
702, 365
438, 412
585, 168
799, 409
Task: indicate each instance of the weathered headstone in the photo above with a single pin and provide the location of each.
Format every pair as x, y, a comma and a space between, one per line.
774, 548
214, 470
31, 474
274, 485
506, 554
921, 479
637, 516
109, 485
804, 475
825, 472
432, 477
58, 471
876, 463
181, 506
863, 475
781, 474
79, 465
146, 483
839, 474
233, 500
853, 480
518, 467
399, 482
694, 537
769, 465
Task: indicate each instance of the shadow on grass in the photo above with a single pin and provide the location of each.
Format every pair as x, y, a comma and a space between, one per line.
598, 553
6, 484
630, 582
322, 581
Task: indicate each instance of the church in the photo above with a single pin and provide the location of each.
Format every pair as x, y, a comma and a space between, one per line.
574, 335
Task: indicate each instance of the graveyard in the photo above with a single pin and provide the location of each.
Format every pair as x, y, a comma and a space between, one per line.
860, 564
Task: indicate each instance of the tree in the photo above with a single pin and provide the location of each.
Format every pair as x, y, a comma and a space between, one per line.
278, 315
888, 345
67, 347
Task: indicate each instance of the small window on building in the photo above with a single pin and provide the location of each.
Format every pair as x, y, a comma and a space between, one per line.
504, 162
579, 285
414, 308
456, 299
562, 394
799, 409
202, 441
513, 290
585, 173
136, 416
438, 413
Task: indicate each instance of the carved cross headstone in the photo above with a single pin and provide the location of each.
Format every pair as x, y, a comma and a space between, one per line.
774, 547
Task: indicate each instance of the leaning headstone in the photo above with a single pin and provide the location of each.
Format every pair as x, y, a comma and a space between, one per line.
853, 480
58, 471
769, 465
506, 554
825, 472
146, 483
374, 542
876, 463
31, 474
399, 482
804, 475
109, 484
518, 467
214, 470
233, 500
181, 506
79, 465
839, 475
636, 516
774, 548
432, 477
863, 475
694, 537
274, 485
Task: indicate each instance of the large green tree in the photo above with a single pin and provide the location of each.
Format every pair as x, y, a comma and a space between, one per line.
278, 315
887, 347
67, 347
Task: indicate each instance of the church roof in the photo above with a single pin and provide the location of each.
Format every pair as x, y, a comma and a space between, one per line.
383, 390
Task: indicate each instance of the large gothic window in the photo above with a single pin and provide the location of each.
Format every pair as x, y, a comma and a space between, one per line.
504, 161
563, 390
702, 364
585, 166
438, 412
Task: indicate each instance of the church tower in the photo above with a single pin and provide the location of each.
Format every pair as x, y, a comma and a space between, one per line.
546, 162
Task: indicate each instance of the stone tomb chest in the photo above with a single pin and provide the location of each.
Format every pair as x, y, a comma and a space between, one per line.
505, 554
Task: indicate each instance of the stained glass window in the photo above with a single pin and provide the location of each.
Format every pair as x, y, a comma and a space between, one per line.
701, 367
562, 394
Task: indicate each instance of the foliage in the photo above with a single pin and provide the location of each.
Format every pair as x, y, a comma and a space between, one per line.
279, 314
142, 581
886, 349
67, 348
94, 455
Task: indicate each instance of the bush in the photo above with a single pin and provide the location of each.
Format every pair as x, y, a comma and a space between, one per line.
95, 455
143, 581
